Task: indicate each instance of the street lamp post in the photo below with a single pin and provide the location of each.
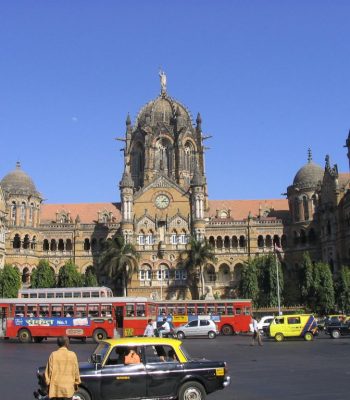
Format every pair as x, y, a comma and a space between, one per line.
278, 283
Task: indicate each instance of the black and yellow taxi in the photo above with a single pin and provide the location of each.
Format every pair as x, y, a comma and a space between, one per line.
146, 368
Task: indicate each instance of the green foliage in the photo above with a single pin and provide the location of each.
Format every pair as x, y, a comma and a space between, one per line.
198, 253
69, 276
343, 290
43, 276
119, 260
89, 278
249, 287
10, 281
267, 279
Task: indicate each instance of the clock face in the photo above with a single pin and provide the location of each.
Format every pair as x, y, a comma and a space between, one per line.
162, 201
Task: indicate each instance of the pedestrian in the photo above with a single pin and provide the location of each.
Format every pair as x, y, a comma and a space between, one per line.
165, 328
256, 332
62, 372
149, 331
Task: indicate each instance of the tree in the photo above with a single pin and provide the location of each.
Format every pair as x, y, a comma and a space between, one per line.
119, 260
69, 276
267, 279
343, 290
307, 282
249, 288
89, 278
43, 276
10, 281
198, 253
324, 288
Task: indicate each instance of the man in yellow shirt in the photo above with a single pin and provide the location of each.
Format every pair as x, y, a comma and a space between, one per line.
62, 372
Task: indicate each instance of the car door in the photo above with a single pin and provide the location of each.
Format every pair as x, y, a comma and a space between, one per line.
204, 327
163, 377
123, 381
191, 328
294, 326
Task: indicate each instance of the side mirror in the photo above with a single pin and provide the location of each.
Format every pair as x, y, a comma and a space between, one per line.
96, 358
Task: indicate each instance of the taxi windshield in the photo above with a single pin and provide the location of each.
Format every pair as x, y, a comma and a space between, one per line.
102, 348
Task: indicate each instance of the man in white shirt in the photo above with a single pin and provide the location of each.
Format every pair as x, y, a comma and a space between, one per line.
165, 328
256, 333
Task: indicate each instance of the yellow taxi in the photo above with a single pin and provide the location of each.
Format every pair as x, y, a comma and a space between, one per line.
296, 325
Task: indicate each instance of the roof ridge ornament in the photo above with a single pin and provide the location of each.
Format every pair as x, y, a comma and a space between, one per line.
309, 155
162, 77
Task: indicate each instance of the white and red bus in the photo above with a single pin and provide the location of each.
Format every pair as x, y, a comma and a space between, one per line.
230, 315
59, 293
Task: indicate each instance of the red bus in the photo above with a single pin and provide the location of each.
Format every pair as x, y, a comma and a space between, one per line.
231, 315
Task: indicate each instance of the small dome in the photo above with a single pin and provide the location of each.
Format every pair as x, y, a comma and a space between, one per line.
18, 182
309, 175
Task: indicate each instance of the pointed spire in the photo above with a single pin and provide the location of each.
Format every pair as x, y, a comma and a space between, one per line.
128, 120
309, 155
77, 219
199, 122
327, 161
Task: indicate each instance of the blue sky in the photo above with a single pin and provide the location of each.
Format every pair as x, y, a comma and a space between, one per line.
270, 79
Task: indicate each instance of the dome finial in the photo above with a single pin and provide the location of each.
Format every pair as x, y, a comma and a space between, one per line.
162, 77
309, 155
18, 165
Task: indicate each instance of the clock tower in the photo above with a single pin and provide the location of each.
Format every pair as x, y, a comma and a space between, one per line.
163, 188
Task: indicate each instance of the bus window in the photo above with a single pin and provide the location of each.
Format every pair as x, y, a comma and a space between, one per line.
33, 295
140, 310
130, 312
106, 310
56, 310
31, 310
43, 310
93, 310
162, 310
152, 309
86, 294
59, 295
246, 310
81, 310
25, 295
200, 310
229, 310
76, 294
50, 295
220, 309
68, 295
68, 310
191, 310
210, 308
181, 310
42, 295
95, 294
19, 311
238, 311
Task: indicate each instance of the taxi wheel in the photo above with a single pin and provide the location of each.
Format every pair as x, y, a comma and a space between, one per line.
308, 336
211, 335
192, 391
279, 337
180, 335
98, 335
24, 336
82, 394
335, 334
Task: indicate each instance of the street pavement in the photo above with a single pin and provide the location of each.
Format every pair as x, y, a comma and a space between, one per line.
290, 370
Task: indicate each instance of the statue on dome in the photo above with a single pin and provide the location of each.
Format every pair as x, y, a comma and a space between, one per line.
162, 81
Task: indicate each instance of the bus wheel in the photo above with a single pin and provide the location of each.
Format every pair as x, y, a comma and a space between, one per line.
81, 394
98, 335
279, 337
38, 339
24, 336
308, 336
227, 330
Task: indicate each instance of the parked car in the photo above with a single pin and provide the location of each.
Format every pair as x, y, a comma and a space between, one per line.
197, 327
336, 329
165, 371
264, 323
293, 326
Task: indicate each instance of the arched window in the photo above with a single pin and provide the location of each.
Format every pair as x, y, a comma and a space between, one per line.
163, 156
237, 272
137, 164
219, 242
227, 242
296, 209
23, 212
209, 273
224, 274
69, 246
242, 241
31, 212
276, 240
60, 245
87, 244
53, 245
46, 245
234, 242
306, 208
16, 241
268, 241
212, 241
33, 243
284, 241
189, 157
260, 241
145, 273
163, 272
26, 242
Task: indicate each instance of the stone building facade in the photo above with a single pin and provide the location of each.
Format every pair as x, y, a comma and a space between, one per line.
164, 200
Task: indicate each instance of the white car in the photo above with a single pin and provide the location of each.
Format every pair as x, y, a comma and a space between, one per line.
197, 327
265, 322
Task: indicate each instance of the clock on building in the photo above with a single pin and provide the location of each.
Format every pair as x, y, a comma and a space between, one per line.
162, 201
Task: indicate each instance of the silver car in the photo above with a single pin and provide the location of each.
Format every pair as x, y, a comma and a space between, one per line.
197, 327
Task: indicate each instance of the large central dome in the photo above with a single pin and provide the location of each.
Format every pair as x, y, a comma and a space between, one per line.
18, 182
